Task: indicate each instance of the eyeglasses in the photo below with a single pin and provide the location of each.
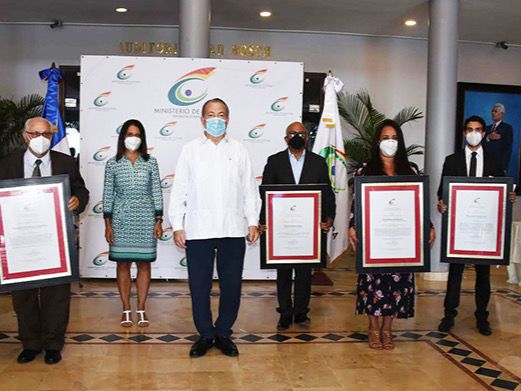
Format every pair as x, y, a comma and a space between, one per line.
38, 134
292, 134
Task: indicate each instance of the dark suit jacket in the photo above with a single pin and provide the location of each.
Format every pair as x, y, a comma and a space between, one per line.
12, 167
278, 172
456, 165
500, 149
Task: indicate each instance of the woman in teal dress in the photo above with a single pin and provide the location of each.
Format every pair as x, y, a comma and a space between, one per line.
133, 210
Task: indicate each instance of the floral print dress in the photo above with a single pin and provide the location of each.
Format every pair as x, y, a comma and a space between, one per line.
384, 294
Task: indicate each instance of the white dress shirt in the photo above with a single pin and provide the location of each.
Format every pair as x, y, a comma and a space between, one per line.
214, 194
30, 164
297, 165
479, 160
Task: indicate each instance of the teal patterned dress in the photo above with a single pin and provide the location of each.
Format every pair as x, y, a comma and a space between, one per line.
132, 199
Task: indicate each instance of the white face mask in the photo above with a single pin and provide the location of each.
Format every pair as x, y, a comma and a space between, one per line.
40, 145
473, 138
389, 147
132, 143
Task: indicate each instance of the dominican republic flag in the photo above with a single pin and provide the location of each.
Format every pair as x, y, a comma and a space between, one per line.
51, 109
329, 144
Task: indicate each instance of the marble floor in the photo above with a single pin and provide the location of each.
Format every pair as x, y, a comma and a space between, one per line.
330, 354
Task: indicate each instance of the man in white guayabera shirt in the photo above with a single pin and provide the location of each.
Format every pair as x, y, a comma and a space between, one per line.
214, 204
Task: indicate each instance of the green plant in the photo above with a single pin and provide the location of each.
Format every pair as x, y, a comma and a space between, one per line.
358, 110
12, 119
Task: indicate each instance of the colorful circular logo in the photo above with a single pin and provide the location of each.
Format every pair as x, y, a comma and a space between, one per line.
183, 262
118, 129
257, 131
167, 181
190, 88
168, 234
101, 154
258, 77
334, 156
102, 99
98, 208
279, 104
168, 129
125, 73
101, 259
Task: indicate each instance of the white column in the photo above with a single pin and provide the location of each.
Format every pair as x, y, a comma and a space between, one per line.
441, 107
194, 28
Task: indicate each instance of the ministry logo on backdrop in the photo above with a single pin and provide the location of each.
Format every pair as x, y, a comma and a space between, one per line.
101, 154
167, 181
97, 210
125, 72
101, 259
255, 135
190, 88
168, 132
257, 80
167, 236
279, 107
101, 102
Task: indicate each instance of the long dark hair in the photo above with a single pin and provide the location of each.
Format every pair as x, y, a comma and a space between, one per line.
123, 133
375, 166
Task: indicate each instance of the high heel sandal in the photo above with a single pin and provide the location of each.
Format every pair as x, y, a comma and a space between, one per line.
142, 322
375, 341
387, 338
127, 322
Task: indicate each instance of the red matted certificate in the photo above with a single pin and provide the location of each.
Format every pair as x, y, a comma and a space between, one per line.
476, 227
392, 224
35, 233
293, 236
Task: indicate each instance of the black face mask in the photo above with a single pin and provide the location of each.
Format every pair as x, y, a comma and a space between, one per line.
297, 142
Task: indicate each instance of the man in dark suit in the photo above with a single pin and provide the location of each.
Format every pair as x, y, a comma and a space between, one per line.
498, 137
43, 313
471, 161
295, 165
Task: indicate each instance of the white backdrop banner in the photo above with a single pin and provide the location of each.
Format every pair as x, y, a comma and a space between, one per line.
166, 95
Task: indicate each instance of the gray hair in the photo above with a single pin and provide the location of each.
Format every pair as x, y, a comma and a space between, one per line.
501, 107
28, 123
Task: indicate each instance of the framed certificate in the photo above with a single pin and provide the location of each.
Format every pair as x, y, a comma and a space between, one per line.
476, 228
392, 224
36, 233
293, 237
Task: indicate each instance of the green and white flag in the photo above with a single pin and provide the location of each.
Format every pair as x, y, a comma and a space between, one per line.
329, 144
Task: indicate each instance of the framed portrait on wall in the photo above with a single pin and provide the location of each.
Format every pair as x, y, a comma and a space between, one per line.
500, 107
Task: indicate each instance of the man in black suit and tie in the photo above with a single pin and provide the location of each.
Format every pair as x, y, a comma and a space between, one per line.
498, 137
295, 165
472, 161
43, 313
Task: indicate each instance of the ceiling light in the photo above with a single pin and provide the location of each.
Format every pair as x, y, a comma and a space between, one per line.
121, 9
410, 22
265, 14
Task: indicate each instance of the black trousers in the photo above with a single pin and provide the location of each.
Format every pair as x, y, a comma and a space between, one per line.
43, 315
299, 306
200, 255
482, 296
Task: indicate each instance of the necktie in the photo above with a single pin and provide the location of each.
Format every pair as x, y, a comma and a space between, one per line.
36, 171
493, 128
473, 164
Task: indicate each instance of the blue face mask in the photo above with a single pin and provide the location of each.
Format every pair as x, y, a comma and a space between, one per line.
215, 126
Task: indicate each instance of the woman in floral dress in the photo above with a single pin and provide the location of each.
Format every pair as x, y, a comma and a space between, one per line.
385, 296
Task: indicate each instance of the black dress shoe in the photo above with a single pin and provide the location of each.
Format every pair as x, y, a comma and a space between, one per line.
52, 356
446, 324
484, 328
27, 355
226, 345
284, 322
201, 347
302, 319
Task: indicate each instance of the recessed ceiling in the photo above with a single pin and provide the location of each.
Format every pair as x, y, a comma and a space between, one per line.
480, 20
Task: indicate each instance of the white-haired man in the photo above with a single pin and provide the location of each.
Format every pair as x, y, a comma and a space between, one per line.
43, 313
498, 137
